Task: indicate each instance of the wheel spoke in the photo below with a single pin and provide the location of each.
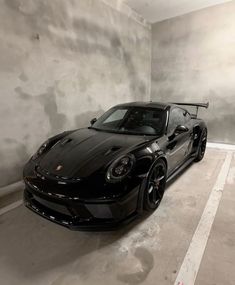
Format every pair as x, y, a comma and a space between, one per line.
156, 173
155, 185
203, 145
154, 196
160, 178
150, 190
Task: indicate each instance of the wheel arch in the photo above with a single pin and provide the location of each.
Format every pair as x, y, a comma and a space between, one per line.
160, 157
163, 161
203, 129
163, 158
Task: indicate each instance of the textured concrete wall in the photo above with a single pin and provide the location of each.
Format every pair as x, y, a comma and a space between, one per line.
194, 60
63, 62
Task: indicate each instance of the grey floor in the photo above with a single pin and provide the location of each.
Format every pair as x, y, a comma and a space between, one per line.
150, 251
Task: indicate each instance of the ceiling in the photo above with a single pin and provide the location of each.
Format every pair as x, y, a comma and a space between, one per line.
158, 10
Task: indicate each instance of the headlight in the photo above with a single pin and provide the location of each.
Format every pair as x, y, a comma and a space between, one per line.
120, 168
41, 150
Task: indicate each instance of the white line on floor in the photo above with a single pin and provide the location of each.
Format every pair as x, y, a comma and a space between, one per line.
10, 207
190, 266
223, 146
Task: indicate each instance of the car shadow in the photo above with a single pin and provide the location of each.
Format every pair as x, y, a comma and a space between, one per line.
33, 245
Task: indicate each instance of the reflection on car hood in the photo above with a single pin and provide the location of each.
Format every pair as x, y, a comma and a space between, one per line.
85, 151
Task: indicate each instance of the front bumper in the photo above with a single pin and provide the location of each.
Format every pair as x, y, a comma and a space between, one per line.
87, 215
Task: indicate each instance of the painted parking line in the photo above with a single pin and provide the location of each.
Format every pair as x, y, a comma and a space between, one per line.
10, 207
222, 146
190, 266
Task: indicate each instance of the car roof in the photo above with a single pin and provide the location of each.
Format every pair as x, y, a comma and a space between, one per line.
157, 105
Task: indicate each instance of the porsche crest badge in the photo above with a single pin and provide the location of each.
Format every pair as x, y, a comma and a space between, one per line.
59, 167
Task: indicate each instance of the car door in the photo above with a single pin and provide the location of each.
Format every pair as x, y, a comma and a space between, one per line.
178, 145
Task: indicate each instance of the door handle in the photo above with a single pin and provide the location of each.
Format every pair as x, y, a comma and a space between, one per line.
171, 145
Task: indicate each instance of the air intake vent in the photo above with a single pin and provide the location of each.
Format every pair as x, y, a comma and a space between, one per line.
112, 149
65, 141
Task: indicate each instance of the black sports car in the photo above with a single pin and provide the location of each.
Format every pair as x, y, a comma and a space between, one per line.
106, 174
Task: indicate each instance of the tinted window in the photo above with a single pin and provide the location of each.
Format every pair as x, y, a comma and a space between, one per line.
135, 120
177, 117
187, 117
117, 115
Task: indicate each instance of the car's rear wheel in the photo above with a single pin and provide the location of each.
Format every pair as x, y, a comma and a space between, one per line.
202, 146
155, 186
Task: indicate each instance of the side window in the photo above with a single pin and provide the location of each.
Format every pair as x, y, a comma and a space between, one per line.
177, 117
187, 117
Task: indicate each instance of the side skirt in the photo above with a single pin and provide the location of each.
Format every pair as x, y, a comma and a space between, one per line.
178, 171
180, 168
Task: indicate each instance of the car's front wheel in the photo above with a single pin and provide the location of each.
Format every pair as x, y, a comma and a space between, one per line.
155, 186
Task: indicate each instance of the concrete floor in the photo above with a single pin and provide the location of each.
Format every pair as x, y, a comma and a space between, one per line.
150, 251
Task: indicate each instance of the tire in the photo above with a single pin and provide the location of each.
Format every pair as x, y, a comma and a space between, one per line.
201, 146
155, 186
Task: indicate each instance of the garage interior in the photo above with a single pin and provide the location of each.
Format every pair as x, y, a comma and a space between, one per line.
63, 63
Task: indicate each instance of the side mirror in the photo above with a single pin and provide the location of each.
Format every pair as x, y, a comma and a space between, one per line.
93, 121
180, 129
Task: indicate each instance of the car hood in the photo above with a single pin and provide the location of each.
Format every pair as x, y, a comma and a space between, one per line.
85, 151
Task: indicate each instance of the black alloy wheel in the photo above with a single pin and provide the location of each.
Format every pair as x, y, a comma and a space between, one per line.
155, 186
202, 146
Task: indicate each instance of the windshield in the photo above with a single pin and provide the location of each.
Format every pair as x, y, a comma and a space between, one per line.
132, 120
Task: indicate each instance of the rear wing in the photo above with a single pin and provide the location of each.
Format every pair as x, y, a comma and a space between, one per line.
196, 105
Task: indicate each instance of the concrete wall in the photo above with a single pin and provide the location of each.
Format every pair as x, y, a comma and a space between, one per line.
63, 62
194, 60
